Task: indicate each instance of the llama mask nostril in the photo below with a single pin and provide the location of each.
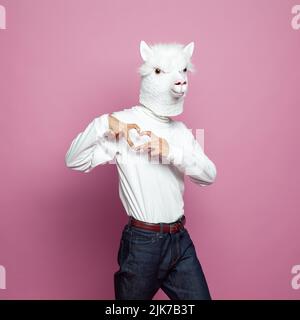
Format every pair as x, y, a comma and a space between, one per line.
180, 83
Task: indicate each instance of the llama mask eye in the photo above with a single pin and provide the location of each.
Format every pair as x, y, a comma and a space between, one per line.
157, 70
185, 69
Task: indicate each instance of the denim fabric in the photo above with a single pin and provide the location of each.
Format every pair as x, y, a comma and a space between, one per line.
149, 260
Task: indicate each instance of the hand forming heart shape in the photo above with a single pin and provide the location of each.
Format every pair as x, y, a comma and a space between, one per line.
137, 139
156, 146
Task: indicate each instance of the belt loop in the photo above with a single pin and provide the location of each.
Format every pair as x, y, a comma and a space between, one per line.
161, 227
129, 220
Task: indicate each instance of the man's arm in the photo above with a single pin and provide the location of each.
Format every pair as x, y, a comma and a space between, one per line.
97, 144
91, 147
192, 161
188, 158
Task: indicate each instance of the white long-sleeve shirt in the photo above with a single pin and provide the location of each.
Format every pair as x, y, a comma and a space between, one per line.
150, 192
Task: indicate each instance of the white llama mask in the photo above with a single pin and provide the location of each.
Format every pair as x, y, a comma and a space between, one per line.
164, 80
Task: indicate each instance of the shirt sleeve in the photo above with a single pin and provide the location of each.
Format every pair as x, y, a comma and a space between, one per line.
192, 161
92, 146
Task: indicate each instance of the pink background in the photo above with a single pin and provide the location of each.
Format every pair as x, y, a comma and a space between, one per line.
64, 62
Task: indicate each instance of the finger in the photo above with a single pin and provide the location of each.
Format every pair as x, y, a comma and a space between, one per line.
121, 134
151, 151
134, 126
143, 147
160, 144
113, 117
154, 152
110, 133
147, 132
129, 141
160, 158
115, 121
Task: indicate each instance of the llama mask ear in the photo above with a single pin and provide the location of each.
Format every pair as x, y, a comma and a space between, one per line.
189, 49
145, 50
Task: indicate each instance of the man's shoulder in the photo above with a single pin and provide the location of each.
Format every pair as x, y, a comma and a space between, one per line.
180, 125
183, 130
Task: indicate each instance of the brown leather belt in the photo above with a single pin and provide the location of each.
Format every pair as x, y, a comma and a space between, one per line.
159, 227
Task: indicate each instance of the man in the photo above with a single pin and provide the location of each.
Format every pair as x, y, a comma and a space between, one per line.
155, 250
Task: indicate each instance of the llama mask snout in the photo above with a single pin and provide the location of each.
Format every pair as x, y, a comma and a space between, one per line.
179, 89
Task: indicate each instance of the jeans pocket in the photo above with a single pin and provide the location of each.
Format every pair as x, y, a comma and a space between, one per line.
143, 237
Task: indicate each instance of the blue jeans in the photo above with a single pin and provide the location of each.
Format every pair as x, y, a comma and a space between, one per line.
149, 260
